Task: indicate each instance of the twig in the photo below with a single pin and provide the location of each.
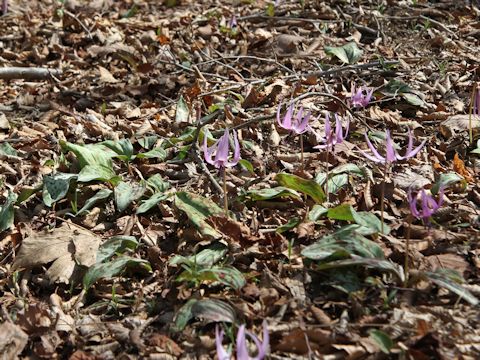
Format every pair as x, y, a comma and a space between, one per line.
28, 73
439, 24
322, 73
65, 11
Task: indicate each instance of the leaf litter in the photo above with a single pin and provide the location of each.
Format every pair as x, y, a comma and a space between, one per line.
119, 239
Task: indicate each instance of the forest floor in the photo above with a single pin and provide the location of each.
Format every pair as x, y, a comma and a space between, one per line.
114, 240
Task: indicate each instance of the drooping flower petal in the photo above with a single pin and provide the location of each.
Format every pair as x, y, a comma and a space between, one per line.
221, 149
222, 354
391, 154
242, 351
236, 152
299, 124
359, 98
428, 204
376, 155
332, 138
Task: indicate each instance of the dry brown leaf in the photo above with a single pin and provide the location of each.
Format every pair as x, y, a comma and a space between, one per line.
106, 76
12, 340
68, 247
448, 261
460, 168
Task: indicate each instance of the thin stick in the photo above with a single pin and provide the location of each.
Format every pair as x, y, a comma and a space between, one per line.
28, 73
225, 198
407, 250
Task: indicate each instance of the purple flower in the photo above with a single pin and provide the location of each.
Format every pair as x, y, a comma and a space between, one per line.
476, 103
232, 24
429, 205
359, 98
391, 153
242, 351
299, 125
4, 7
221, 148
332, 138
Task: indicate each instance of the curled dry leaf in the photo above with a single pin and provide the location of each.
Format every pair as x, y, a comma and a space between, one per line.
67, 247
12, 340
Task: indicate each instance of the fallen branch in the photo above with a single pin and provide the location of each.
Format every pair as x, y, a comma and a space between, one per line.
28, 73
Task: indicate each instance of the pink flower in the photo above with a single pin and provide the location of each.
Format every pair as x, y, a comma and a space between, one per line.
221, 148
359, 98
429, 205
232, 24
332, 138
242, 351
299, 125
391, 153
476, 103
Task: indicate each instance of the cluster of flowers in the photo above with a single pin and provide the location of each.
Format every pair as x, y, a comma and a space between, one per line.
218, 156
242, 351
299, 124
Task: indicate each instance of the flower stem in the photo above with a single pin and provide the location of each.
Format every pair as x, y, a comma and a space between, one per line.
327, 170
301, 148
407, 250
382, 197
470, 113
225, 198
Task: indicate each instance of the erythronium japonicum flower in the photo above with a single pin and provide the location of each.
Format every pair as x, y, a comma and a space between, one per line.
220, 159
361, 97
391, 156
242, 350
297, 124
232, 24
428, 207
331, 139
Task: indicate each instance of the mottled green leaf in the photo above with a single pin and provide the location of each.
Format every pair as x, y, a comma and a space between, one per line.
342, 244
115, 245
152, 201
100, 195
270, 194
7, 212
126, 193
446, 179
113, 268
97, 172
382, 339
56, 186
91, 154
198, 209
308, 187
289, 225
348, 53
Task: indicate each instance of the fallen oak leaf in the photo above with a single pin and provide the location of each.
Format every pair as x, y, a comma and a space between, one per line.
460, 168
68, 247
